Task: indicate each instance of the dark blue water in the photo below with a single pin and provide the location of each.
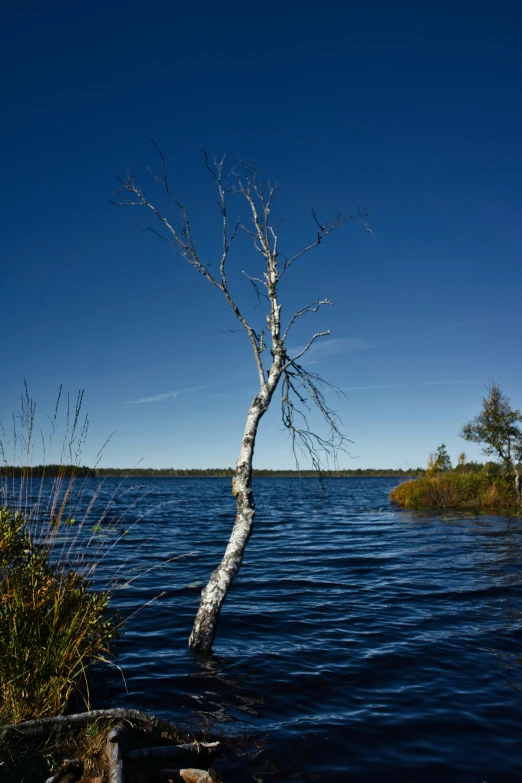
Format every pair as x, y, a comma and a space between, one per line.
360, 642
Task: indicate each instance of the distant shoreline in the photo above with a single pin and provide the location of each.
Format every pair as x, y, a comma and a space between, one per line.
52, 471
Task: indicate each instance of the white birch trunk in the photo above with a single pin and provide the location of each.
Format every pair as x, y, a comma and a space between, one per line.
242, 180
214, 594
518, 485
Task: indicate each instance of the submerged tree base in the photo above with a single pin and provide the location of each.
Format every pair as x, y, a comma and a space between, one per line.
459, 491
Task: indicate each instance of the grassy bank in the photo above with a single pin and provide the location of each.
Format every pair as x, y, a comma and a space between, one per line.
453, 490
52, 627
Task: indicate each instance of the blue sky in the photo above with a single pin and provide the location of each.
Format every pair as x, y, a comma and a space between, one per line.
412, 109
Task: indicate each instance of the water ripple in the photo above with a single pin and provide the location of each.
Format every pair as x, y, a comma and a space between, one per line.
359, 641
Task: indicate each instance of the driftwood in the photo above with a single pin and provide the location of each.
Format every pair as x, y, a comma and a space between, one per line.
189, 775
46, 726
69, 767
115, 751
170, 751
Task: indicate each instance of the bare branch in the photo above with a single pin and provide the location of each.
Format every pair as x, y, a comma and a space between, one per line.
255, 282
130, 194
254, 279
179, 235
300, 390
216, 170
251, 190
252, 335
311, 308
324, 229
306, 348
159, 235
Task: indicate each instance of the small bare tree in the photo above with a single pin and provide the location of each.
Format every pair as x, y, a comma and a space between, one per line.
300, 387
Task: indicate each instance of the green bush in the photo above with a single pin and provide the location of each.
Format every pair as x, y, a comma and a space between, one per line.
458, 491
51, 627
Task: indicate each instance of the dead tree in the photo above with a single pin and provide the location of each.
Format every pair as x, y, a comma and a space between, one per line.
301, 389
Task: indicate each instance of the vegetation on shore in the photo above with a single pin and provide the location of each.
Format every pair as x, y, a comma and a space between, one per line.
497, 430
53, 624
496, 487
454, 490
52, 627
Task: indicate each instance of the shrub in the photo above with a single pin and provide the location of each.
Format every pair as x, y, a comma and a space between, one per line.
52, 627
458, 491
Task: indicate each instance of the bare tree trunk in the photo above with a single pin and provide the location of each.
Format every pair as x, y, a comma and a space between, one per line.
518, 485
214, 594
300, 388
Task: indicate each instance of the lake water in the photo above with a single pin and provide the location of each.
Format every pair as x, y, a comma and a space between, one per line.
360, 642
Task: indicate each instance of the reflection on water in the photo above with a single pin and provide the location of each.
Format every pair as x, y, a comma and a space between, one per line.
359, 641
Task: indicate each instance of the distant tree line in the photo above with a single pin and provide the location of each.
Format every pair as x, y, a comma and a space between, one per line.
52, 471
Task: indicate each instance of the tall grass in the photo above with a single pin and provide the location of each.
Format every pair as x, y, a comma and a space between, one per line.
51, 627
70, 514
52, 501
456, 490
53, 624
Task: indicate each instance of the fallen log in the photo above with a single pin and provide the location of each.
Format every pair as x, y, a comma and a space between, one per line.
111, 765
43, 727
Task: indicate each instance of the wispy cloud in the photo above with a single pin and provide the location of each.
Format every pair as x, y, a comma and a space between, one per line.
155, 398
323, 348
172, 395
